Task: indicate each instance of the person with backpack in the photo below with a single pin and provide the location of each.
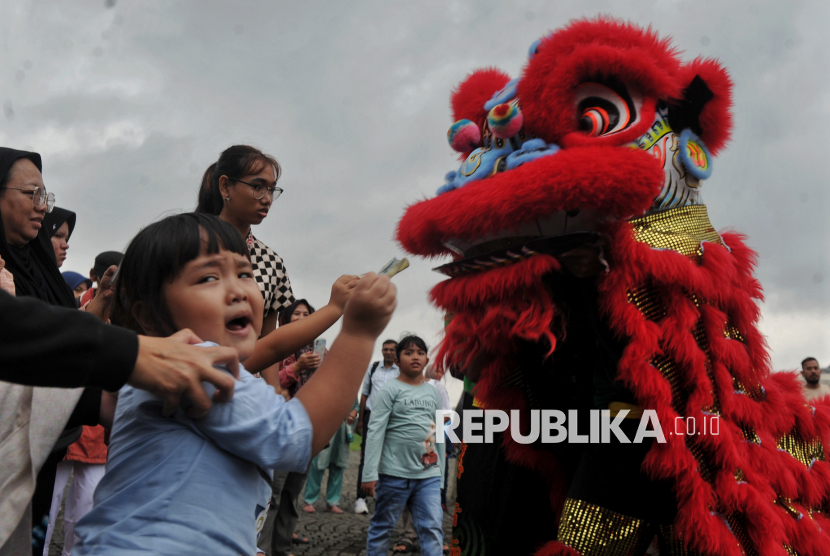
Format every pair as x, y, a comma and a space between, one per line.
377, 376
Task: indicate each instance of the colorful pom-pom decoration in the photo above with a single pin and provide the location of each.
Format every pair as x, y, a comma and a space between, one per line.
695, 155
464, 136
505, 120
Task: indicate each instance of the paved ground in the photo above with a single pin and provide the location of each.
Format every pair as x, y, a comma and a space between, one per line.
328, 534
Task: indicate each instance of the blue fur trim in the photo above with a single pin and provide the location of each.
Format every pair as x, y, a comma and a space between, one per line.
507, 94
480, 164
531, 150
531, 52
693, 169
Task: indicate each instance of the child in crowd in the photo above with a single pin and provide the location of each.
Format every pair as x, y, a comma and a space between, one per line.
190, 486
402, 466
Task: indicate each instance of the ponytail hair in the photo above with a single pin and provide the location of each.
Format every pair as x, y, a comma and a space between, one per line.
210, 198
234, 162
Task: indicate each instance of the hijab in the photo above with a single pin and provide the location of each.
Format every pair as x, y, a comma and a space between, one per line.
34, 266
53, 221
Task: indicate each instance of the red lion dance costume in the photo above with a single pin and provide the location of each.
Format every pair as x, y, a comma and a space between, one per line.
605, 140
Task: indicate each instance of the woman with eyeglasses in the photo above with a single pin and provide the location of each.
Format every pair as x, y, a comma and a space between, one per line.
27, 250
239, 188
24, 244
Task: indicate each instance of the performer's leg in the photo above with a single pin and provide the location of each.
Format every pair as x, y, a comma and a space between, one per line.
610, 492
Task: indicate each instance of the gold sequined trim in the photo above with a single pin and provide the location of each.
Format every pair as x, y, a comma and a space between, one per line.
594, 530
731, 332
704, 466
750, 435
739, 475
669, 371
802, 450
681, 229
755, 393
478, 403
648, 303
736, 523
790, 550
787, 505
699, 335
673, 544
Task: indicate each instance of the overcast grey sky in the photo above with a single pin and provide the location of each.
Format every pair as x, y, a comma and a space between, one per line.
129, 102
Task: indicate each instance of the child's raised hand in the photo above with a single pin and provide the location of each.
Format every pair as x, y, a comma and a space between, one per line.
341, 289
370, 305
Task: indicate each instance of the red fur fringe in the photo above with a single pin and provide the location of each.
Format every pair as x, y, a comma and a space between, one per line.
509, 303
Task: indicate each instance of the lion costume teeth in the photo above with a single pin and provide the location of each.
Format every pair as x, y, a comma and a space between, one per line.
606, 122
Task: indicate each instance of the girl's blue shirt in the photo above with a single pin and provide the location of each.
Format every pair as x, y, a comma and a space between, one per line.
176, 485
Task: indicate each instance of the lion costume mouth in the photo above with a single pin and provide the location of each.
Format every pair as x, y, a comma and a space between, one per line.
552, 235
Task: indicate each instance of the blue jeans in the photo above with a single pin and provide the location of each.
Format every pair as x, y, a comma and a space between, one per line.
424, 499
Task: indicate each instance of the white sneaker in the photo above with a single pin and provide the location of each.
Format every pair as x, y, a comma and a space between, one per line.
360, 506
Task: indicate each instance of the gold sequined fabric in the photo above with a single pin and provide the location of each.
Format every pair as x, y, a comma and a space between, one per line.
755, 393
681, 229
736, 523
648, 302
670, 372
594, 530
733, 333
801, 449
750, 435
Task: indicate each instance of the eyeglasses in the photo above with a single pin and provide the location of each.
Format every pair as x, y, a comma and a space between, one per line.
40, 196
261, 190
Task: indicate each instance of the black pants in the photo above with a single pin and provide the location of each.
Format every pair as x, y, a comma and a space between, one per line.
363, 434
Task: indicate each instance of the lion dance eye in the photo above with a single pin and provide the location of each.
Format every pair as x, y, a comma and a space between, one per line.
594, 121
602, 110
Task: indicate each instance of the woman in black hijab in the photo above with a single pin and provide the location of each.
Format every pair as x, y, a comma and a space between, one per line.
26, 247
24, 243
59, 224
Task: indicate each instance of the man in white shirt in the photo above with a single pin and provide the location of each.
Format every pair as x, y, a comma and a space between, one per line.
812, 386
377, 375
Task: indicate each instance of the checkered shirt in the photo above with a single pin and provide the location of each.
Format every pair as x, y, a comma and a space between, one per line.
270, 275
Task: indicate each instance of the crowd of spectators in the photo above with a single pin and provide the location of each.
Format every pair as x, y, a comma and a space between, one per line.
192, 277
